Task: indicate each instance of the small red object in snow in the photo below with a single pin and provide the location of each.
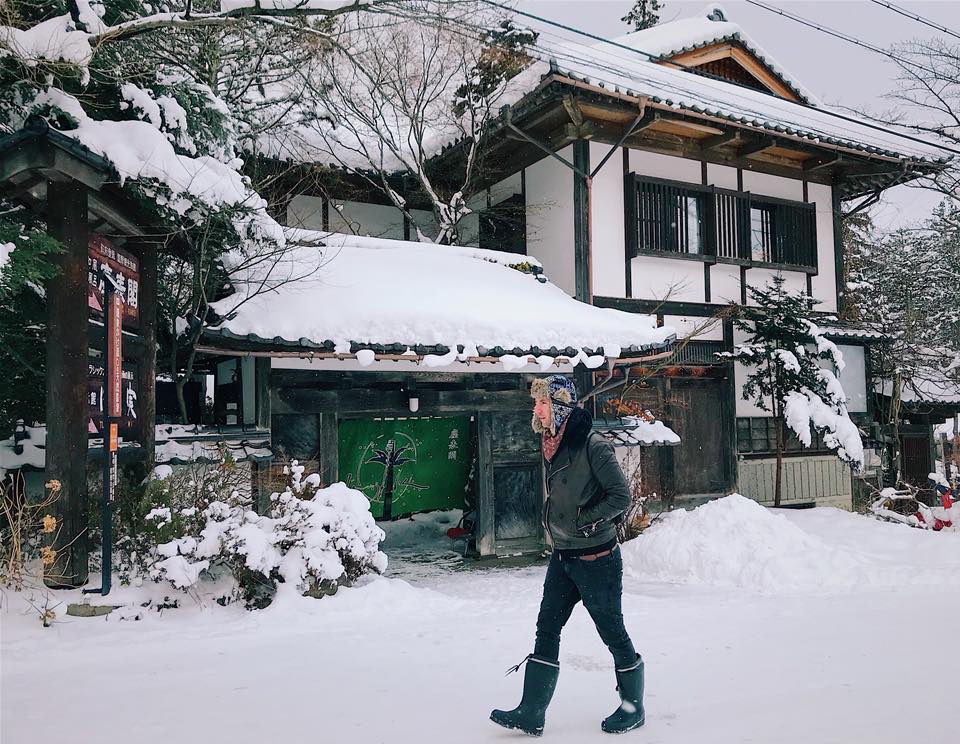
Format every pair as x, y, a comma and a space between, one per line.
454, 532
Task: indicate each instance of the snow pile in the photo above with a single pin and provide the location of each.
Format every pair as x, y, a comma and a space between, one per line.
646, 432
369, 292
735, 542
312, 539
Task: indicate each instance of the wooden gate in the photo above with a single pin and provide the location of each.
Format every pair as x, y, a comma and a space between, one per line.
510, 487
698, 466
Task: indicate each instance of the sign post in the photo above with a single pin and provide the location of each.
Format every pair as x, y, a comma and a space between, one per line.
113, 311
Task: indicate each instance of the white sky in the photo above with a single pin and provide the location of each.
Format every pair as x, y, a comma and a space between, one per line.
836, 71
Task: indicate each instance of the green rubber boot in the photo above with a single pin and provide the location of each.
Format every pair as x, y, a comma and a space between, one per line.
630, 713
539, 682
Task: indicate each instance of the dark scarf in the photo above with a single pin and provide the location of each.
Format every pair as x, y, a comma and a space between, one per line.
572, 434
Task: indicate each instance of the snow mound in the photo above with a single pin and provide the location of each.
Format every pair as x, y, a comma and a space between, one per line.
734, 541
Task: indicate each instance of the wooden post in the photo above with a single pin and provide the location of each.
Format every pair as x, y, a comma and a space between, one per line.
581, 243
581, 220
729, 411
328, 451
262, 382
486, 512
147, 385
67, 372
838, 248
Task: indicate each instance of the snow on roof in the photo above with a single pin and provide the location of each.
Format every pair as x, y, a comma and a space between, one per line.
175, 444
626, 72
364, 293
848, 332
710, 27
932, 387
636, 431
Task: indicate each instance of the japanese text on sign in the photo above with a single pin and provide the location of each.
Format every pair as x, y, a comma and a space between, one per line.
124, 268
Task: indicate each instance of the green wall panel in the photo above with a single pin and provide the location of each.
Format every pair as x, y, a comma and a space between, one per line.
405, 466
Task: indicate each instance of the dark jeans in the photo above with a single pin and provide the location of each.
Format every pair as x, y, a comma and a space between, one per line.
599, 584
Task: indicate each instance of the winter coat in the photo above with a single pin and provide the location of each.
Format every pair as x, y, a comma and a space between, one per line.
586, 491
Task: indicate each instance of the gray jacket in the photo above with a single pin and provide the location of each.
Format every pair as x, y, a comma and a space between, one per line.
585, 487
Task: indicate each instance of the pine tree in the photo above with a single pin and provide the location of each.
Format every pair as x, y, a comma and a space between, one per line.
904, 285
790, 373
643, 14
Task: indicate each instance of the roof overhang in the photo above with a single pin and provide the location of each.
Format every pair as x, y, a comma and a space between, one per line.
38, 155
606, 115
343, 297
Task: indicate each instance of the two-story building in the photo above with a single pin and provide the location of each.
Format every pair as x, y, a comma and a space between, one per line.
662, 173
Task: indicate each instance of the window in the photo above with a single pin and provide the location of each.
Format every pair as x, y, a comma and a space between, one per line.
758, 435
670, 218
503, 226
688, 219
761, 233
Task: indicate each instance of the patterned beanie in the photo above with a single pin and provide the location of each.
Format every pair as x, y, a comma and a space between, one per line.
562, 394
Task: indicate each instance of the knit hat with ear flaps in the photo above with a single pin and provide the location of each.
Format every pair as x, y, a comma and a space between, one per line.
562, 394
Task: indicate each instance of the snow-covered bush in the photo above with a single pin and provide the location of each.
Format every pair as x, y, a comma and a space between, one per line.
310, 541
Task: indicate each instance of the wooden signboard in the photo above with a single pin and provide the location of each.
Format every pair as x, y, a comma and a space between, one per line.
125, 269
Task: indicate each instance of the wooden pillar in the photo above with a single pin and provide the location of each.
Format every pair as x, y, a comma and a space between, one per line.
729, 412
328, 451
147, 384
486, 511
67, 371
581, 220
838, 248
581, 243
262, 382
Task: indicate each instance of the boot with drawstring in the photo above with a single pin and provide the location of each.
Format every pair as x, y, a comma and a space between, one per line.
539, 682
630, 714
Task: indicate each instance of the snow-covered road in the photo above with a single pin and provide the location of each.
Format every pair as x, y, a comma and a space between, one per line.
874, 662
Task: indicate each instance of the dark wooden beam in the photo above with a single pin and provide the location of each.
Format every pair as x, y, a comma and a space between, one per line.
756, 147
581, 220
815, 164
26, 157
636, 305
838, 248
147, 386
67, 369
719, 140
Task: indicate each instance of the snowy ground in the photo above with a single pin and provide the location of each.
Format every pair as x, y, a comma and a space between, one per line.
815, 626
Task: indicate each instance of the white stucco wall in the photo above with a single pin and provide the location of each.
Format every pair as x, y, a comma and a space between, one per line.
723, 176
767, 185
655, 165
825, 282
651, 277
703, 329
550, 218
724, 283
667, 278
608, 243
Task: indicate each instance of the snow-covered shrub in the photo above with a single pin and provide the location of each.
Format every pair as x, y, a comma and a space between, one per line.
310, 541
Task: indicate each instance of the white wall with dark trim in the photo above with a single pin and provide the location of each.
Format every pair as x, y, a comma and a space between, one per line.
550, 218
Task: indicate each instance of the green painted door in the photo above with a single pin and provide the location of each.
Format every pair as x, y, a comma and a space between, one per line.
406, 465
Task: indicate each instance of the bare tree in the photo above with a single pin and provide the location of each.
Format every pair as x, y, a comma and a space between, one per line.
929, 87
397, 91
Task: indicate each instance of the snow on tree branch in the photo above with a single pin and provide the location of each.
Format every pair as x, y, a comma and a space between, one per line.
790, 371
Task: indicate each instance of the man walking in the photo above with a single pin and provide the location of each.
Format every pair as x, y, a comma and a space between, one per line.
586, 494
